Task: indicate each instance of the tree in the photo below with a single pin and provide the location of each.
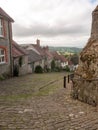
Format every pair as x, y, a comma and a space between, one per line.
52, 65
74, 59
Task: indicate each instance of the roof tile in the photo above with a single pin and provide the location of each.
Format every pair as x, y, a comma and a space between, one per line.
17, 50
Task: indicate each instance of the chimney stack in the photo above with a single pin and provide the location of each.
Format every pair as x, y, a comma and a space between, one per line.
38, 42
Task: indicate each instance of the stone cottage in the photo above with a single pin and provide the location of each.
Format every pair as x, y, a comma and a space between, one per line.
48, 58
85, 82
45, 57
34, 59
20, 60
38, 47
60, 60
5, 43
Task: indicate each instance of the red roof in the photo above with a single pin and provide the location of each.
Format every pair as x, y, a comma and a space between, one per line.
58, 57
55, 55
39, 49
47, 52
63, 59
4, 14
17, 51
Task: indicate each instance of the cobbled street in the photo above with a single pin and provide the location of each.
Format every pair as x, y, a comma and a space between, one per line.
39, 102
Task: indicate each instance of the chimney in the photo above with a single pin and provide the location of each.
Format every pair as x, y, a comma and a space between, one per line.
47, 48
38, 42
94, 30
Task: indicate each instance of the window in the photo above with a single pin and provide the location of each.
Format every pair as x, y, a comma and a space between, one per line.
2, 56
1, 28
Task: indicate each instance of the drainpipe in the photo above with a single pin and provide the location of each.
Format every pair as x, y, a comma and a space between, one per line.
10, 47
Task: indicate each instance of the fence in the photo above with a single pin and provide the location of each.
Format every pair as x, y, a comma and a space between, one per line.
71, 76
67, 79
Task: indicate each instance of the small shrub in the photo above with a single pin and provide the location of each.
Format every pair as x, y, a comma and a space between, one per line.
6, 75
52, 65
67, 69
38, 69
2, 77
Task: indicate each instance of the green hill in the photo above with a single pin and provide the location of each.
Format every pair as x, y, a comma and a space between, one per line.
66, 49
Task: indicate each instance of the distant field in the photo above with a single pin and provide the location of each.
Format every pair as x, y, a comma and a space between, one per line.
66, 49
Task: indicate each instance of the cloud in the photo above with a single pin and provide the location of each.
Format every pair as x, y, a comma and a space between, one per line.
51, 19
50, 31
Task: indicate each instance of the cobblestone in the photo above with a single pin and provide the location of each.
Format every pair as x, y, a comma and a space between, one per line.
56, 111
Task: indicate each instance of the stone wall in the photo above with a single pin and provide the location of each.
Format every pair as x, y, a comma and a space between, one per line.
23, 69
85, 82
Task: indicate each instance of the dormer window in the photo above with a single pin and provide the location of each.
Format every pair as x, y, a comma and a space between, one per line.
2, 56
1, 28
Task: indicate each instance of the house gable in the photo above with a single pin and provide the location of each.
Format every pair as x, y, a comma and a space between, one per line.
5, 43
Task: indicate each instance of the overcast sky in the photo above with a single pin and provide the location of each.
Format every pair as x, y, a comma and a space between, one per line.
54, 22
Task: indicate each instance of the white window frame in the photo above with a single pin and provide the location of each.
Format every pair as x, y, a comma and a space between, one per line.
2, 56
1, 28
